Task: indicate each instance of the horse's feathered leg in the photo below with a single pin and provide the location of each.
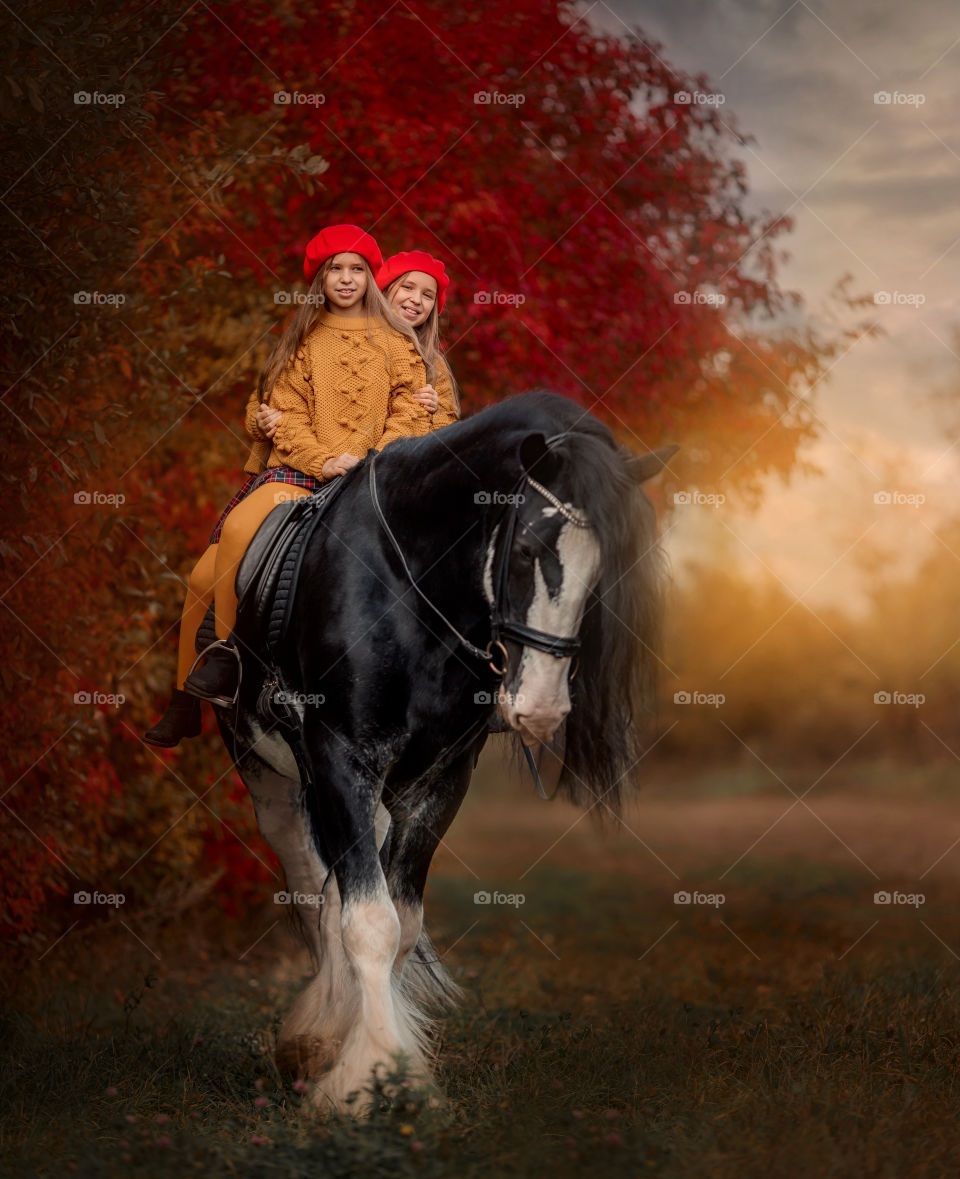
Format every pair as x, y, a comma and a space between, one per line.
348, 1022
415, 835
282, 822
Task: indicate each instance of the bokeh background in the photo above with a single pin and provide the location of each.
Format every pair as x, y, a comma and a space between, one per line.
729, 226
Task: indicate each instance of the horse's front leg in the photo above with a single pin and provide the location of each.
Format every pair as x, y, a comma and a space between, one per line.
415, 835
348, 1023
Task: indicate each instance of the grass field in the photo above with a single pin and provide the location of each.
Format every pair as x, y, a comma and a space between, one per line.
796, 1028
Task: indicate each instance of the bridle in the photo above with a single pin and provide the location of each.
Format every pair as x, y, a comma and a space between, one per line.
502, 627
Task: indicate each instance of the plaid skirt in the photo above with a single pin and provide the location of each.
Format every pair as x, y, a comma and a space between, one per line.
270, 475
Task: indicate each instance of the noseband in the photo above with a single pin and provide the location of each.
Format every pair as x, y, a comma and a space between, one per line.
559, 646
503, 628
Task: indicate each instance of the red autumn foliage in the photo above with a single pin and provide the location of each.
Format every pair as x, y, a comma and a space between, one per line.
570, 222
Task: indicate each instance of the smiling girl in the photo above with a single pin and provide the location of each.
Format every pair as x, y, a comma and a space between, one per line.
342, 377
415, 286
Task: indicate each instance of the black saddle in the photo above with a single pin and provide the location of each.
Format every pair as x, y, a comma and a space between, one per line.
267, 576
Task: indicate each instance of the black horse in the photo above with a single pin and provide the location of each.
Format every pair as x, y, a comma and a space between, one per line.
449, 590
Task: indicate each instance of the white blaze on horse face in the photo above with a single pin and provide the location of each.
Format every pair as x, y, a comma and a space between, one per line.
540, 700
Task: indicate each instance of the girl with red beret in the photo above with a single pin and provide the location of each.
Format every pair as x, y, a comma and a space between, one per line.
342, 376
415, 285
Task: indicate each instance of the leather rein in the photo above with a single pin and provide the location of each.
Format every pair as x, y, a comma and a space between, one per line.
501, 625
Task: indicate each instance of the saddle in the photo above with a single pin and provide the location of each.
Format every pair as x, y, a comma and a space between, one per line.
267, 576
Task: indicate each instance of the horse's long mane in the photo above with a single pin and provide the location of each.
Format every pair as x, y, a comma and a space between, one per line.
613, 692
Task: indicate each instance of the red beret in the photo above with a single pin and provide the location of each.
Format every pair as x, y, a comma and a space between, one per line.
340, 239
415, 260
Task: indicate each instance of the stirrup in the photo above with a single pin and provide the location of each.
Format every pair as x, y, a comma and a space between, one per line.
220, 701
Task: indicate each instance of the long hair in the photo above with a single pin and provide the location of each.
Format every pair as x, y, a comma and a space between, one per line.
307, 315
428, 340
613, 693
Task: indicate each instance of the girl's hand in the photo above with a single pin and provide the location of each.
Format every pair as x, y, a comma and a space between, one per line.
339, 465
427, 397
268, 419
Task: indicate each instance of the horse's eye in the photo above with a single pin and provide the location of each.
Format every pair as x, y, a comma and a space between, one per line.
526, 550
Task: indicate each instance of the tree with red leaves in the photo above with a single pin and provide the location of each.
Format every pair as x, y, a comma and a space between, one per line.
593, 221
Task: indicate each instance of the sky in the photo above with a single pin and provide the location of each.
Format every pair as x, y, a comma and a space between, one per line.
874, 189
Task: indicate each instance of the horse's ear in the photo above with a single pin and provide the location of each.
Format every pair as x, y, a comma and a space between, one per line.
536, 457
645, 466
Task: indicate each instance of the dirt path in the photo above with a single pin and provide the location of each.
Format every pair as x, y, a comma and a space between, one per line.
880, 839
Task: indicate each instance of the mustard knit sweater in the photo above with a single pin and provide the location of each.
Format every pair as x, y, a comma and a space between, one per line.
347, 390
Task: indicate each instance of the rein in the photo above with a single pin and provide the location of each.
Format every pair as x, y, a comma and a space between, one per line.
502, 627
559, 646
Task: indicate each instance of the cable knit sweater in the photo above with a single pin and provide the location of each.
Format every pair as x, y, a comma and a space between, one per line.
348, 389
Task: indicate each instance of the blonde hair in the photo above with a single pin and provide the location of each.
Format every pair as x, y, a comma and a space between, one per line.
428, 339
307, 316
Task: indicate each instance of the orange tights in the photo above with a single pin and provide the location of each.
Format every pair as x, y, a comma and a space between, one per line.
214, 575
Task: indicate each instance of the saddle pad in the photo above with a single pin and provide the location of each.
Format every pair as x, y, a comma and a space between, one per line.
267, 575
